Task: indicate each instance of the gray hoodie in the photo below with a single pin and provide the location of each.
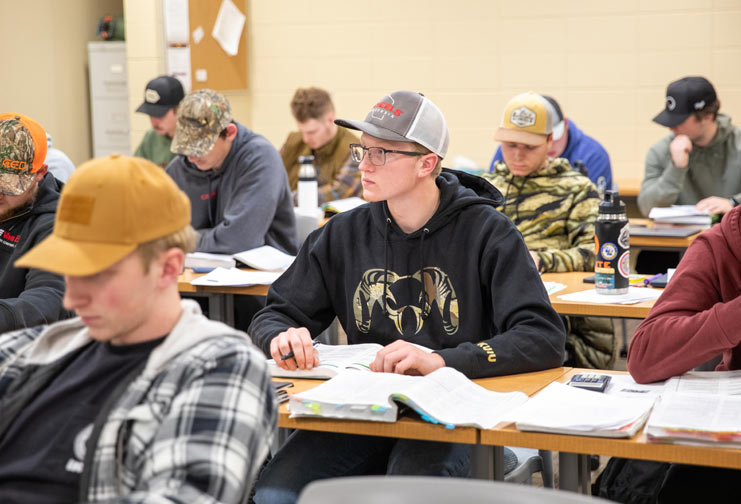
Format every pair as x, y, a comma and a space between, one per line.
244, 204
713, 170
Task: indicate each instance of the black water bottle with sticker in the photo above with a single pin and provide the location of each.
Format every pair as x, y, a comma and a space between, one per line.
612, 246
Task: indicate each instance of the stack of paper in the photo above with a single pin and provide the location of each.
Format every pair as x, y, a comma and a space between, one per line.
680, 214
634, 295
236, 278
562, 409
444, 396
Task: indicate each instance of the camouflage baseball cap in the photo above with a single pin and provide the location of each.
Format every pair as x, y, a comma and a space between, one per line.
22, 152
202, 115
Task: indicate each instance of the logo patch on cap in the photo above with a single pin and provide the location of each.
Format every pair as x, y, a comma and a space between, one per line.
522, 117
151, 96
699, 105
671, 103
76, 209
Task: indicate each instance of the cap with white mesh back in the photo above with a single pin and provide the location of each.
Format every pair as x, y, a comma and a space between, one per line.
405, 116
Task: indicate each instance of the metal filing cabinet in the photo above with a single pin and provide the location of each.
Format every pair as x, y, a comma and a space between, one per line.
109, 98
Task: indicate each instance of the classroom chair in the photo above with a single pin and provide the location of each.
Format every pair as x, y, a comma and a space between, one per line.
529, 462
432, 490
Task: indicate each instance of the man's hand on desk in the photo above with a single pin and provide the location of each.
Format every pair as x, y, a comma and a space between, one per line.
714, 205
298, 342
402, 357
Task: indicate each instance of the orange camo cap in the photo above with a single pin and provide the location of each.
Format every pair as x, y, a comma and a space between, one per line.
38, 135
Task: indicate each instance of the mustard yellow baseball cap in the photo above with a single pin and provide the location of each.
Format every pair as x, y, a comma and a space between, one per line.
107, 208
527, 119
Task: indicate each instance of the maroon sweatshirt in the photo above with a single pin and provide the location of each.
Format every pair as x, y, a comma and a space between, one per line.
698, 316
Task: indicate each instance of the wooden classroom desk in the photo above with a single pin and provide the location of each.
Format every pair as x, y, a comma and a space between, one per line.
574, 283
637, 447
412, 427
488, 460
220, 298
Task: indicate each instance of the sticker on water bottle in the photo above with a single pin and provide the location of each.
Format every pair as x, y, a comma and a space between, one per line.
624, 238
624, 264
608, 251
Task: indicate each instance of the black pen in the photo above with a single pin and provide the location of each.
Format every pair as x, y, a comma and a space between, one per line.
290, 355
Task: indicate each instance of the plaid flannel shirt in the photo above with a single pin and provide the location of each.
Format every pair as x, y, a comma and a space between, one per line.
193, 427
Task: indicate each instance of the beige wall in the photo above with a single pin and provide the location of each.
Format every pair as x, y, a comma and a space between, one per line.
607, 62
44, 60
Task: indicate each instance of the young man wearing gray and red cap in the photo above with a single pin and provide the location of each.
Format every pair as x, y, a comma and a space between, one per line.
161, 98
698, 164
430, 261
140, 398
28, 201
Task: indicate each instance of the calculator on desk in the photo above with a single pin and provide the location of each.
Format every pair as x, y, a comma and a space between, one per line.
590, 381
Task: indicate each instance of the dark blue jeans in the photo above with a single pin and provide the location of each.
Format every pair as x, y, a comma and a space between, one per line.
307, 456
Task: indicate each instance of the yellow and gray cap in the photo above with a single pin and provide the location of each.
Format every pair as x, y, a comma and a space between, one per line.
527, 118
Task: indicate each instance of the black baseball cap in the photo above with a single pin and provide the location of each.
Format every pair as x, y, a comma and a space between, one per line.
684, 97
160, 95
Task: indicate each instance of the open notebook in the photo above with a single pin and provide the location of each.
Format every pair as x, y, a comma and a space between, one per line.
334, 359
444, 396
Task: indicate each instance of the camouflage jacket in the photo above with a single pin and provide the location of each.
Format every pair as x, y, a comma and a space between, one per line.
555, 209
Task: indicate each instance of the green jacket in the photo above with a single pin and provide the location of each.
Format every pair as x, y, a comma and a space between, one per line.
156, 148
555, 209
713, 170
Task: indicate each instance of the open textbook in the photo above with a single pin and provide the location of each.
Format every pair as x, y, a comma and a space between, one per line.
335, 358
444, 396
699, 407
262, 258
343, 205
562, 409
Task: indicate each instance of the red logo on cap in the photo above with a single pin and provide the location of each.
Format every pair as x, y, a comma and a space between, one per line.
387, 106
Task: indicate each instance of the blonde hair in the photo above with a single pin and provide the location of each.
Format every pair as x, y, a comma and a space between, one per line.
184, 239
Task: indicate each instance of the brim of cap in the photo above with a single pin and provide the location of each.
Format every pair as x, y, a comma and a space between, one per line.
74, 258
182, 142
666, 118
524, 137
372, 130
15, 184
153, 109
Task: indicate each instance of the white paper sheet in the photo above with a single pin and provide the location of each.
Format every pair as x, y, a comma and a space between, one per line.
634, 295
175, 14
178, 65
235, 277
198, 35
553, 287
228, 27
559, 406
707, 382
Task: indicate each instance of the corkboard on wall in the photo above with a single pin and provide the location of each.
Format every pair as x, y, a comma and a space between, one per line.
224, 72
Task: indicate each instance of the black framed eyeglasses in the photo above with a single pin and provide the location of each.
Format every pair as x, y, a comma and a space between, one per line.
376, 155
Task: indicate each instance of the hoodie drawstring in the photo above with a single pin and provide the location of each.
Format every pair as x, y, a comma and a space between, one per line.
425, 296
385, 262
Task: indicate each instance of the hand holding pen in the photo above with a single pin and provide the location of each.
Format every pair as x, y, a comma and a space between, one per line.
294, 349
